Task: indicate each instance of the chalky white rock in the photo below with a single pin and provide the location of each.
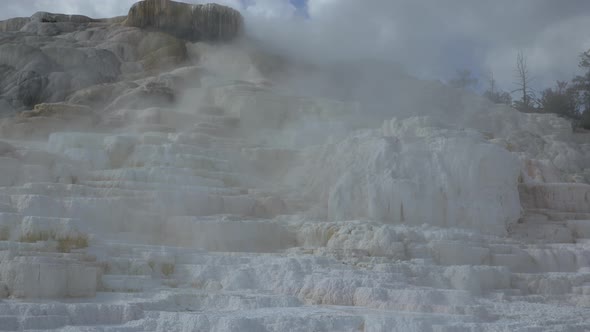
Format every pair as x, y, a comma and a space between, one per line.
242, 206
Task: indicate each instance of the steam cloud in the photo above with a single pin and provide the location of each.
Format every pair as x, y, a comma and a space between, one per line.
367, 190
430, 38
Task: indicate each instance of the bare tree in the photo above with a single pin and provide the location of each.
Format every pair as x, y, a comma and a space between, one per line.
491, 82
523, 81
494, 94
463, 79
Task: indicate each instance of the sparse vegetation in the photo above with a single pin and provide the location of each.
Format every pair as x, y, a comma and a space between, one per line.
570, 100
330, 233
585, 120
167, 269
560, 100
230, 181
4, 233
64, 244
36, 237
581, 84
68, 243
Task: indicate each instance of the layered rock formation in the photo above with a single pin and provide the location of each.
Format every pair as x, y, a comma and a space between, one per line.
209, 22
48, 56
47, 24
182, 187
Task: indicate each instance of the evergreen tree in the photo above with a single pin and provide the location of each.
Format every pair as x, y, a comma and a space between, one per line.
582, 82
560, 100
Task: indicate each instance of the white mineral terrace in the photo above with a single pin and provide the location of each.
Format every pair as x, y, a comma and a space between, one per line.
245, 209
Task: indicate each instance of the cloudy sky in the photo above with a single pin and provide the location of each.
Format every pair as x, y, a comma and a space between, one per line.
432, 38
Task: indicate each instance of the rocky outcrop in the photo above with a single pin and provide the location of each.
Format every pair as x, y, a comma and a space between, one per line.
50, 19
45, 17
47, 24
14, 24
46, 71
48, 57
209, 22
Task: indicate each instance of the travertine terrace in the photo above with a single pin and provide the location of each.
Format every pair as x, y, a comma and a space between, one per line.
152, 183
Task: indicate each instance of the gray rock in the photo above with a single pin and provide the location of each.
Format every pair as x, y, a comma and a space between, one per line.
88, 66
25, 57
49, 24
46, 17
50, 58
32, 75
5, 108
14, 24
58, 87
30, 86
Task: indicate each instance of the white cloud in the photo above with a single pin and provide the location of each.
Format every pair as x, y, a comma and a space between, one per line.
272, 9
103, 8
434, 38
552, 53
